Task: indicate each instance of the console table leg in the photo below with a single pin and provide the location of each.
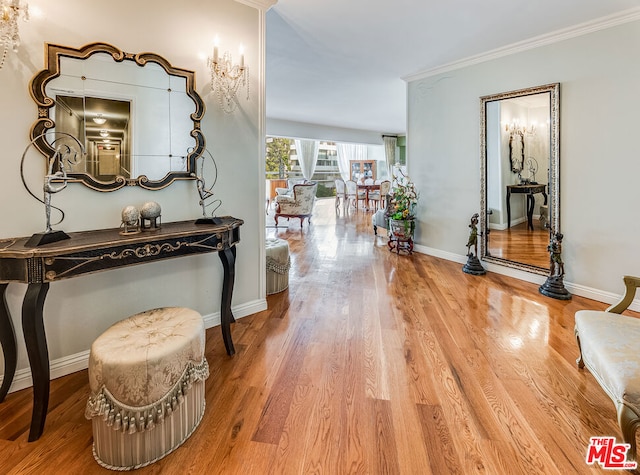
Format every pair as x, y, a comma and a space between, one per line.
508, 207
531, 201
8, 342
228, 258
36, 342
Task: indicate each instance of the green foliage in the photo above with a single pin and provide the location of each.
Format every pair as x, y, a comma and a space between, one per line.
324, 191
404, 198
277, 158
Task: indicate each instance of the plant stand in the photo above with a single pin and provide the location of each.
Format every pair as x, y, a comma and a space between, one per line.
401, 235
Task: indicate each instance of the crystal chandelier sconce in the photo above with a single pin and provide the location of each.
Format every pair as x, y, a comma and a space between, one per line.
515, 128
10, 12
226, 78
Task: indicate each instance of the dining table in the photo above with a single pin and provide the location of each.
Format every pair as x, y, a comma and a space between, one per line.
367, 189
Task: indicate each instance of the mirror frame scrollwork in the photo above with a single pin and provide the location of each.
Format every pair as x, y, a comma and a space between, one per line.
553, 187
44, 122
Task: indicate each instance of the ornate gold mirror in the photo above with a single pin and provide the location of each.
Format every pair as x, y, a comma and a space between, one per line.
138, 116
520, 190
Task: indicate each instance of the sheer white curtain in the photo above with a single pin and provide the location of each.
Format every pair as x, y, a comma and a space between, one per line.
390, 144
307, 151
346, 153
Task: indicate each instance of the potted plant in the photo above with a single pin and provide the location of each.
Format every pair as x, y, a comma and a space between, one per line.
404, 199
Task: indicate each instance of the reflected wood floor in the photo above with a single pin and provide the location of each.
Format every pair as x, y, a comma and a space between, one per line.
521, 245
369, 363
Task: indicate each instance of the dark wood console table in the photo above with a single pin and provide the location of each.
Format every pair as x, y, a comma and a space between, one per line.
95, 251
530, 190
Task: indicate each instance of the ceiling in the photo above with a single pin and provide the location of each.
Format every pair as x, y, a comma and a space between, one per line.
341, 62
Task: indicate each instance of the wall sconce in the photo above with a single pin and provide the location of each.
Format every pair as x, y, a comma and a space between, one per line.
515, 128
10, 13
226, 78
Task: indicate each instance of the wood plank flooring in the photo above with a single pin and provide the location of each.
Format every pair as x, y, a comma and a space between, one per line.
369, 363
520, 244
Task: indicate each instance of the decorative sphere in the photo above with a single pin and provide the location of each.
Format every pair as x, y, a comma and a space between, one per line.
150, 210
130, 215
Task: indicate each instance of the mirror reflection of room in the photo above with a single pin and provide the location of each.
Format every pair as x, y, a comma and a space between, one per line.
518, 157
103, 125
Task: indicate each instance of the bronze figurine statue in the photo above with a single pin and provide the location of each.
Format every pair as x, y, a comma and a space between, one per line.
555, 257
473, 235
554, 285
473, 265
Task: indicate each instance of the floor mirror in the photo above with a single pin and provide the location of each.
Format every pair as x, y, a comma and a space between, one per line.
520, 186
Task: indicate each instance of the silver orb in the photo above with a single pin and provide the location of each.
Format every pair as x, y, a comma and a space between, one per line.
150, 210
130, 215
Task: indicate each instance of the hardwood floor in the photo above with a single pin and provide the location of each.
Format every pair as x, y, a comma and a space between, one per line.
369, 363
520, 244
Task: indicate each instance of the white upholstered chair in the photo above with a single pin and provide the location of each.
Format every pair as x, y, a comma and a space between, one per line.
608, 344
378, 197
291, 182
300, 205
341, 193
351, 192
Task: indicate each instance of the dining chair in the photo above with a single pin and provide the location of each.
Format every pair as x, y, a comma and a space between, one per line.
341, 193
379, 196
352, 192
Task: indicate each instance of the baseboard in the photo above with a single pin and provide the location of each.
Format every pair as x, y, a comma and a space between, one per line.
239, 311
80, 361
575, 289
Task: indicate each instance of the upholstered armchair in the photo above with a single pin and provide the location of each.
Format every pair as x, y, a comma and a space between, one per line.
300, 205
291, 182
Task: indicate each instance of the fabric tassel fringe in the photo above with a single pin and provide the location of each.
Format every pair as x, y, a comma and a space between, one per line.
145, 418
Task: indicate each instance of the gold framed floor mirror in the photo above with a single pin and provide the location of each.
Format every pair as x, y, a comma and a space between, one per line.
520, 186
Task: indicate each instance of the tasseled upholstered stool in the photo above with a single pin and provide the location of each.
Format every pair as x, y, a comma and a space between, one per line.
146, 375
278, 264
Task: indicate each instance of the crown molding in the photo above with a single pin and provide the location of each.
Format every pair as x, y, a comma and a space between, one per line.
259, 4
581, 29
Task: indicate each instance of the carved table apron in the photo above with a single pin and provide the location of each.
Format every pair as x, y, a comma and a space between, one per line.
94, 251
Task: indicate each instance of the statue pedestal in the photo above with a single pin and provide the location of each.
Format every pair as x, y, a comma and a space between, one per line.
208, 221
40, 239
554, 288
473, 266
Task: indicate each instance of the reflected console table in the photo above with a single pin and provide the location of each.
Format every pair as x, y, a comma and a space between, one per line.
530, 190
95, 251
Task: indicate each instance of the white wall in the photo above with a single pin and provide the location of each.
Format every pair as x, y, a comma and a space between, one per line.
78, 310
599, 155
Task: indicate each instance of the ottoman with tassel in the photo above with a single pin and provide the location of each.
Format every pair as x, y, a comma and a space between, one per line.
278, 264
146, 375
